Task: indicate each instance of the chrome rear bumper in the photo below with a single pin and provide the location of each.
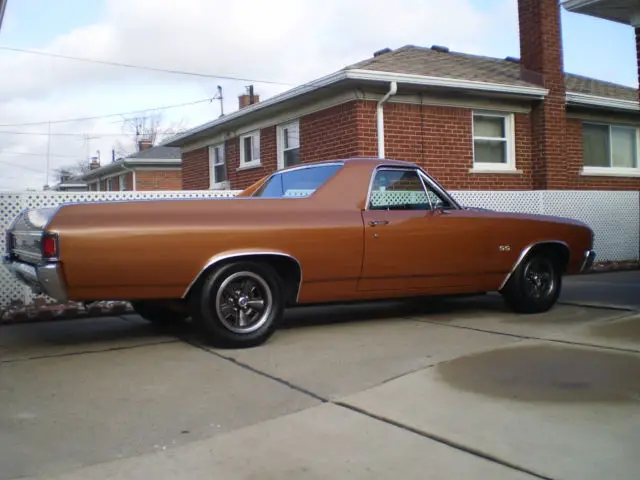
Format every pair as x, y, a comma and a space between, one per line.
45, 278
589, 257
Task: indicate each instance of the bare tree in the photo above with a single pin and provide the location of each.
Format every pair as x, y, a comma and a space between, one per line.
79, 168
149, 127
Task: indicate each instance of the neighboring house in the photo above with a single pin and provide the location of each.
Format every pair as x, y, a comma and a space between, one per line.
70, 185
474, 122
67, 182
151, 168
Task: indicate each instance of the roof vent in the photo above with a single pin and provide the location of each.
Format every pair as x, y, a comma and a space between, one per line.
440, 48
512, 59
381, 52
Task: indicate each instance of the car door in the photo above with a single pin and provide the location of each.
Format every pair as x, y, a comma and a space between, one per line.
415, 238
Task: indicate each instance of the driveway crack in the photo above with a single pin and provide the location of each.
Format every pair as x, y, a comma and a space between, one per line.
444, 441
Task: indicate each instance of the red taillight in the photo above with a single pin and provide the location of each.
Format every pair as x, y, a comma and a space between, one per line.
49, 246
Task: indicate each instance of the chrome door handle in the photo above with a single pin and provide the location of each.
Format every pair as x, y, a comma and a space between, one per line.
373, 223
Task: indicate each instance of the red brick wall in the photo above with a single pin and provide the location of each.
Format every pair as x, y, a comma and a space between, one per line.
241, 179
128, 181
195, 169
541, 55
158, 180
331, 134
440, 140
575, 162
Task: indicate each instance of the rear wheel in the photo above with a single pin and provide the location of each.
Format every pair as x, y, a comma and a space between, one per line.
158, 312
238, 305
535, 285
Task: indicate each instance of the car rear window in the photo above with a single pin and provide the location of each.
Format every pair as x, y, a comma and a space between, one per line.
299, 182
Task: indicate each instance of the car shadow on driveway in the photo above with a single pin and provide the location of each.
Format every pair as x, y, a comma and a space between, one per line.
379, 310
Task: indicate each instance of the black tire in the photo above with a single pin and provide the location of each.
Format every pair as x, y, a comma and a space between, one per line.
222, 304
158, 312
535, 285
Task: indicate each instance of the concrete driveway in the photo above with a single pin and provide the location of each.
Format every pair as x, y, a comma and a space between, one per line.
458, 389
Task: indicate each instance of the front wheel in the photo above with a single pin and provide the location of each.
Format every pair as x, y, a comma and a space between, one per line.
534, 286
239, 305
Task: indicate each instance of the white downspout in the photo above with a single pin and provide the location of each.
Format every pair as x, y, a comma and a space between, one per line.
380, 118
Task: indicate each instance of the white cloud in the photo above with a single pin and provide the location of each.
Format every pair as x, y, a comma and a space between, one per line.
281, 40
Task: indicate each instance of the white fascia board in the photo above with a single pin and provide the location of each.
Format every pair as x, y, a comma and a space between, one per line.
603, 102
456, 83
124, 166
573, 4
365, 76
289, 94
143, 162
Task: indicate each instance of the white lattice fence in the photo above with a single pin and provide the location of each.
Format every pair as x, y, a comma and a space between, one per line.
11, 204
614, 216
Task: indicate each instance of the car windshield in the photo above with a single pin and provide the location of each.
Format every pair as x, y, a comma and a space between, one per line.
300, 182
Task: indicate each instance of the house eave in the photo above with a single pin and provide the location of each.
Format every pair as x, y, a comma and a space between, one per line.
626, 12
357, 76
449, 83
131, 164
584, 100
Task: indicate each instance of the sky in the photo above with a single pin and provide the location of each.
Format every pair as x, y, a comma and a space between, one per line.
273, 45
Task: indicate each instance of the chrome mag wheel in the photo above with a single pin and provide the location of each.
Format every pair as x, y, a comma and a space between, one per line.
243, 302
539, 278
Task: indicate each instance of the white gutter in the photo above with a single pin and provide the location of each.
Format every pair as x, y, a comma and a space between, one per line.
380, 117
366, 76
571, 4
604, 102
288, 95
427, 81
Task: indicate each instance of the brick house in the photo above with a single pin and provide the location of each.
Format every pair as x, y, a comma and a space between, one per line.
473, 122
151, 168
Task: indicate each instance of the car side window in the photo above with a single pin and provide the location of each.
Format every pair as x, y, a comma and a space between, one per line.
398, 190
436, 200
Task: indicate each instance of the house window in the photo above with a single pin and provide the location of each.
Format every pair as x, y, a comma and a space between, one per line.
288, 145
123, 182
109, 184
250, 149
217, 166
493, 141
610, 147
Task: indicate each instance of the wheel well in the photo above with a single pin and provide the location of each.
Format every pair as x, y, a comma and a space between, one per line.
287, 268
558, 252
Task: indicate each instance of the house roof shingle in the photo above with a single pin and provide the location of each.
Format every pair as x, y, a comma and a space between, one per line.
158, 152
436, 63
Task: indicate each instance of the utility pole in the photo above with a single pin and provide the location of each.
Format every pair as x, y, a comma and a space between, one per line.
218, 96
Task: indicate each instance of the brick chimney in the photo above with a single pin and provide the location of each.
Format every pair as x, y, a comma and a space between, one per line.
144, 144
248, 98
541, 62
94, 163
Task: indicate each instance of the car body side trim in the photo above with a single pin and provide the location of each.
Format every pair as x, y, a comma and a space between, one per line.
226, 256
524, 253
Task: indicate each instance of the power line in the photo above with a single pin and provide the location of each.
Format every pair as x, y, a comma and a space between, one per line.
62, 134
140, 67
96, 117
21, 166
37, 154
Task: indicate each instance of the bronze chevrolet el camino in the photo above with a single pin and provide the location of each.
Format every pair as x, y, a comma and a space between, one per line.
353, 229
